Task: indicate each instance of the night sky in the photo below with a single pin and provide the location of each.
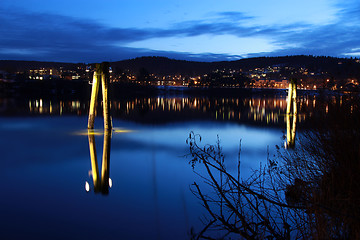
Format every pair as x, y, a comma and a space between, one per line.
200, 30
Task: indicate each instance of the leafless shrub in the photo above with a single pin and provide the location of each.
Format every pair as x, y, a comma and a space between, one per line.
311, 192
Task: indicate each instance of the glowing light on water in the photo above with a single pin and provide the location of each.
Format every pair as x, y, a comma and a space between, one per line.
119, 130
110, 182
86, 133
87, 186
96, 132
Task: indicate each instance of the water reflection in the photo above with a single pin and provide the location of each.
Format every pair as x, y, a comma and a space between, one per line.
264, 110
48, 107
290, 130
259, 110
310, 192
102, 184
49, 153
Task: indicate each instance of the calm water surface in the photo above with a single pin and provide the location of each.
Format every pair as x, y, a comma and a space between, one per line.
47, 173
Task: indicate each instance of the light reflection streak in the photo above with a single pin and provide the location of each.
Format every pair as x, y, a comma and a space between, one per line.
103, 183
96, 132
265, 110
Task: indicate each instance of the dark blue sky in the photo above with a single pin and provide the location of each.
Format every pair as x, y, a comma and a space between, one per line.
203, 30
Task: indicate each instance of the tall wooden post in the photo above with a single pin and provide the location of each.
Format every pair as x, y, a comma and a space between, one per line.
101, 74
291, 114
105, 80
94, 95
291, 101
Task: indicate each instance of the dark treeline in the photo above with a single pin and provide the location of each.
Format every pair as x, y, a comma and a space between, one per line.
163, 66
64, 79
160, 65
13, 66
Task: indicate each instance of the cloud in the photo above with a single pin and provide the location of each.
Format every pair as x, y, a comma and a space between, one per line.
235, 16
51, 37
54, 37
336, 39
29, 36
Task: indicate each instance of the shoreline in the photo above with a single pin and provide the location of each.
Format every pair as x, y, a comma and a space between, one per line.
82, 90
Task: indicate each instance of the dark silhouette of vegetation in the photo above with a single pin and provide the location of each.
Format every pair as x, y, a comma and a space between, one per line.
335, 67
219, 79
309, 192
143, 75
58, 88
162, 65
19, 77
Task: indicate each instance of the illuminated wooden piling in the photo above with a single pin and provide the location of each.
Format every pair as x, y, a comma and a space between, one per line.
105, 80
291, 115
94, 95
100, 74
291, 103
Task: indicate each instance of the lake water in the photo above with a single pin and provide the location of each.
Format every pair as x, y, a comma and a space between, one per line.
52, 188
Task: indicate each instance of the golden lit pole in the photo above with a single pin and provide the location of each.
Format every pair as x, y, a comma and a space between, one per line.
105, 80
291, 96
101, 72
94, 95
291, 111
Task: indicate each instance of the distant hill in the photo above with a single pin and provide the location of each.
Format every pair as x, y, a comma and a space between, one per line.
15, 66
164, 66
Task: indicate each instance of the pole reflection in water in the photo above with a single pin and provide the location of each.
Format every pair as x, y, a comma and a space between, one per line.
290, 130
104, 183
291, 115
